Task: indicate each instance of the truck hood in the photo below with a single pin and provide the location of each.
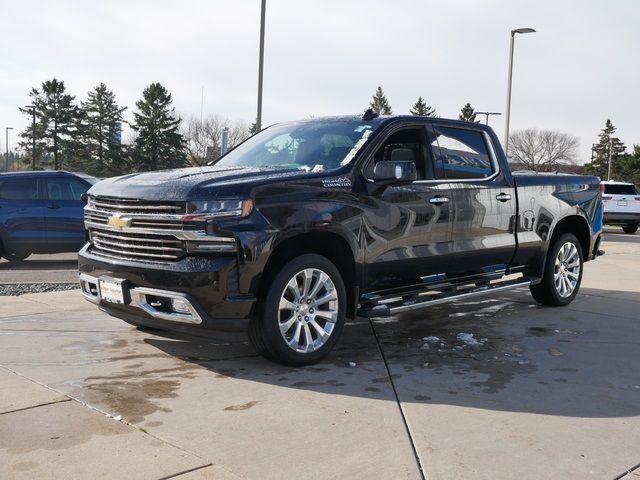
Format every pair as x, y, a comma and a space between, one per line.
186, 183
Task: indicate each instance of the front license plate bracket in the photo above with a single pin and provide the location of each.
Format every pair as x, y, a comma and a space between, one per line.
112, 290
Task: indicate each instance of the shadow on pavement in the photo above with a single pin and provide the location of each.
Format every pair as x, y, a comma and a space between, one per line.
505, 353
614, 236
29, 264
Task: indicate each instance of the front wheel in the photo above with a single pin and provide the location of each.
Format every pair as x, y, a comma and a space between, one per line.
562, 273
302, 313
631, 228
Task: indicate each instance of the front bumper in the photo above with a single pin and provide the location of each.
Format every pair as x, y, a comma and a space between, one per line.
204, 290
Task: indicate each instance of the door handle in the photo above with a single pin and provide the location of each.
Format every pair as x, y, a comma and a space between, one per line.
438, 200
503, 197
53, 206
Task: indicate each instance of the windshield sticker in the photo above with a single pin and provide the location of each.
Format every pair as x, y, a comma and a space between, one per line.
355, 148
342, 182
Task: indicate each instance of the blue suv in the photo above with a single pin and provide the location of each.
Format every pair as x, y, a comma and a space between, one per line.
42, 212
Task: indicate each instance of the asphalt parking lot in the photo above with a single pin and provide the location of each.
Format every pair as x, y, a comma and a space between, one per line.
535, 393
60, 267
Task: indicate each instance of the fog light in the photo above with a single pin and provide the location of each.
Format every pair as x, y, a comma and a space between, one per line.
179, 306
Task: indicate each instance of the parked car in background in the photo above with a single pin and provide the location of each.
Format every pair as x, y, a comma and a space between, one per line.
42, 212
621, 202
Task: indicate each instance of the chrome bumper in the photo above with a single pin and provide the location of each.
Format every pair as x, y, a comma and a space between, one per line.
155, 302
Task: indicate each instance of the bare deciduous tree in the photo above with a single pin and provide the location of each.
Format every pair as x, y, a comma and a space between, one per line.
542, 150
204, 139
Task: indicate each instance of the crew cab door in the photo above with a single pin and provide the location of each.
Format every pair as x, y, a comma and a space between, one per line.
483, 201
64, 213
407, 228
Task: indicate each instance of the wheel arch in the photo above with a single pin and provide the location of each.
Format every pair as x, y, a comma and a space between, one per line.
329, 244
576, 225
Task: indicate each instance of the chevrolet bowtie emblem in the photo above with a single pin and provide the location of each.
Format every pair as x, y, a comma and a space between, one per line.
118, 222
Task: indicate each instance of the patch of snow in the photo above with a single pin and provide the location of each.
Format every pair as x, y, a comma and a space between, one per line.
431, 340
352, 364
469, 340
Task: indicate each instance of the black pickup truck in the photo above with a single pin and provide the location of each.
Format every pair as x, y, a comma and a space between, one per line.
309, 222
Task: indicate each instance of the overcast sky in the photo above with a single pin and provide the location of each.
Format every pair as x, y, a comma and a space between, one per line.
326, 57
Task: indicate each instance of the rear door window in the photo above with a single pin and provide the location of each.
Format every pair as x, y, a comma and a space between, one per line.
65, 189
620, 189
461, 153
19, 189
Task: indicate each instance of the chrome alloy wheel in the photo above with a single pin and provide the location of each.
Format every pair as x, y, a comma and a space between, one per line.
567, 269
308, 310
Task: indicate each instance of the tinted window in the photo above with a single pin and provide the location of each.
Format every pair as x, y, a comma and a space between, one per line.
620, 189
65, 189
461, 153
19, 189
405, 144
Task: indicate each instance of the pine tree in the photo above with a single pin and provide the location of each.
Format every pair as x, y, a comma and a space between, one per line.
102, 120
600, 164
422, 109
159, 143
380, 104
468, 113
56, 117
629, 167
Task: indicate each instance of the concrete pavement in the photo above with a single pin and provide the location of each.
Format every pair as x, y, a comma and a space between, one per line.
547, 393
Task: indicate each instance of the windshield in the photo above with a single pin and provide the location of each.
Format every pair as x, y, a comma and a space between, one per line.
317, 145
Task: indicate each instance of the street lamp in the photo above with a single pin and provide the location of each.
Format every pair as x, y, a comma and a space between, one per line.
6, 136
261, 67
507, 116
486, 114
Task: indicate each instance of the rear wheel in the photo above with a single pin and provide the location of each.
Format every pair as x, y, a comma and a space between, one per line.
631, 228
302, 313
562, 273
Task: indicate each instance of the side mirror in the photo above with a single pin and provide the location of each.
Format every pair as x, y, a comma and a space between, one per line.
395, 172
84, 197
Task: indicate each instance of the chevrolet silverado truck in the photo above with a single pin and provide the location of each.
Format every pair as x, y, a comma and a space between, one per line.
311, 222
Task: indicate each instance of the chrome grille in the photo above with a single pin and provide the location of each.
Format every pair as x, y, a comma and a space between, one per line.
136, 246
159, 222
130, 206
150, 232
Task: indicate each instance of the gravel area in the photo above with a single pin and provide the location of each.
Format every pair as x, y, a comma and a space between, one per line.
15, 289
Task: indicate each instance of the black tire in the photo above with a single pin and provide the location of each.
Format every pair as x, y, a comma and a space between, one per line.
546, 291
264, 328
631, 228
16, 256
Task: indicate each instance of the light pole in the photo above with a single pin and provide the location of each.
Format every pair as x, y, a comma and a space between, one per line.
508, 114
486, 114
610, 148
6, 136
261, 67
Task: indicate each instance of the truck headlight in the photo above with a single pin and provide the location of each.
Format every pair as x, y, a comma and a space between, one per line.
218, 208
